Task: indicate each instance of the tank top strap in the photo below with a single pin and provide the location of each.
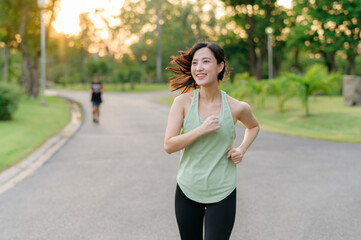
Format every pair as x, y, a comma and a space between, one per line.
195, 97
227, 113
225, 106
192, 112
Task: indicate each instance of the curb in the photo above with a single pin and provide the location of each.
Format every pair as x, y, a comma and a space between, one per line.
27, 167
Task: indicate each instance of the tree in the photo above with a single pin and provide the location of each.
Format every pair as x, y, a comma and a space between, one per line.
181, 24
350, 28
255, 16
316, 80
323, 24
8, 19
21, 22
99, 66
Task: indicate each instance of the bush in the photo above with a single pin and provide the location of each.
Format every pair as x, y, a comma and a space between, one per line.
316, 81
283, 88
9, 100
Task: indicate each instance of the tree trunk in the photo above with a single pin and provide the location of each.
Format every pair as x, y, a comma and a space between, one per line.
276, 67
296, 66
159, 44
30, 72
30, 76
260, 58
253, 59
351, 63
330, 61
6, 63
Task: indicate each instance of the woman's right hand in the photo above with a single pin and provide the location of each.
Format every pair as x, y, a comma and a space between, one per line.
209, 125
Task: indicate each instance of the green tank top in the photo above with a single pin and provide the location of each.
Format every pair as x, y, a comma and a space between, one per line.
205, 174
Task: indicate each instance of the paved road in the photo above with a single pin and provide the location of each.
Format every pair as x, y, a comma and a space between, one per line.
114, 181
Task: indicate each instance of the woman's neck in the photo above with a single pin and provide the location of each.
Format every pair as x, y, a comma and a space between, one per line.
209, 94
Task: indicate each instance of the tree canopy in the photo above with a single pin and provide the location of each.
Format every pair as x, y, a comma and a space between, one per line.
149, 32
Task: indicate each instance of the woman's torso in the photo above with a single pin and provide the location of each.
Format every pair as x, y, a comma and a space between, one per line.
205, 174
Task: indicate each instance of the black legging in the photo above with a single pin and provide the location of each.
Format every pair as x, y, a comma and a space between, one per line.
219, 217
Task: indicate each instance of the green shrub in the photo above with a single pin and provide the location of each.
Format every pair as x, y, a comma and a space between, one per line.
258, 91
283, 88
9, 100
316, 81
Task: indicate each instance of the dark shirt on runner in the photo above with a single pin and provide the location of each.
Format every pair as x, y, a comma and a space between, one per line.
96, 94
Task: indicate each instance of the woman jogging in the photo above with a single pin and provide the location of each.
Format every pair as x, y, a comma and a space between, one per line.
201, 124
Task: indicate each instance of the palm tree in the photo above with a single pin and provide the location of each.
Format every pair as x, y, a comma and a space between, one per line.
283, 88
316, 80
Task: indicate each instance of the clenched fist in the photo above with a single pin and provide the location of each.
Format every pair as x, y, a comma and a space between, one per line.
236, 155
211, 124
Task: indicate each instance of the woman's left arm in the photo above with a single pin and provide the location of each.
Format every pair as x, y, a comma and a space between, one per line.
244, 114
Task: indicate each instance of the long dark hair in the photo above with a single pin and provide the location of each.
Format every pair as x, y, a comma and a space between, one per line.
182, 76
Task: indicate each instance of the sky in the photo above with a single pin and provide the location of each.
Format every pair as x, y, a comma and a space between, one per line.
285, 3
67, 20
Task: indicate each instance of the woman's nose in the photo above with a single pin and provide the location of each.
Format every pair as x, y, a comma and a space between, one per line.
199, 67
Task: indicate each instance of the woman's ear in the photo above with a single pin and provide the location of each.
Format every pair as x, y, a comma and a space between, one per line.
220, 67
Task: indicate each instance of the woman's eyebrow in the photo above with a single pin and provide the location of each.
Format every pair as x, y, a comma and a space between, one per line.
195, 59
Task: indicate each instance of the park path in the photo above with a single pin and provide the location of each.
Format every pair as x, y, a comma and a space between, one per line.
114, 181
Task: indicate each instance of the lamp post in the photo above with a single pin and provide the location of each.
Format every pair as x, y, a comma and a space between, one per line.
269, 31
41, 5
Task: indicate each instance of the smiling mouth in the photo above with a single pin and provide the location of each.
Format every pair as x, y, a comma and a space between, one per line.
201, 76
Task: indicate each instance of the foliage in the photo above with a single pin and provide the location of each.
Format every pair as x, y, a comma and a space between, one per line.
329, 26
99, 67
21, 24
183, 24
315, 81
239, 87
333, 121
325, 32
253, 17
236, 50
283, 88
128, 75
9, 100
258, 91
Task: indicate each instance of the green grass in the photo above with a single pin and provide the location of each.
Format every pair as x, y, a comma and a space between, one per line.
31, 126
329, 120
109, 87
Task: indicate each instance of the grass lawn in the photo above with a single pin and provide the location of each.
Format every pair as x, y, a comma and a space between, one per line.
109, 87
329, 120
32, 125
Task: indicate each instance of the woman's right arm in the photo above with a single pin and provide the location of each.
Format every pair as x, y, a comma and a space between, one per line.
174, 140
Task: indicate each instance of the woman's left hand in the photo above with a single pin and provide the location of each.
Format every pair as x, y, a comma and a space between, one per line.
236, 155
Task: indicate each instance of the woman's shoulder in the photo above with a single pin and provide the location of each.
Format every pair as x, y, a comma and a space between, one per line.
237, 106
184, 99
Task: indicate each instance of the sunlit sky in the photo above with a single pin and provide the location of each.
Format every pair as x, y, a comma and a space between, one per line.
67, 20
285, 3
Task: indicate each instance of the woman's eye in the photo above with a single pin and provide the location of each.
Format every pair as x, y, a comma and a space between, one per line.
206, 61
194, 63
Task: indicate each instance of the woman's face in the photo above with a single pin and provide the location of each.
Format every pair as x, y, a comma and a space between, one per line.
204, 67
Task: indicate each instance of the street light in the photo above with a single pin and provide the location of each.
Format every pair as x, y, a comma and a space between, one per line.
269, 31
41, 4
